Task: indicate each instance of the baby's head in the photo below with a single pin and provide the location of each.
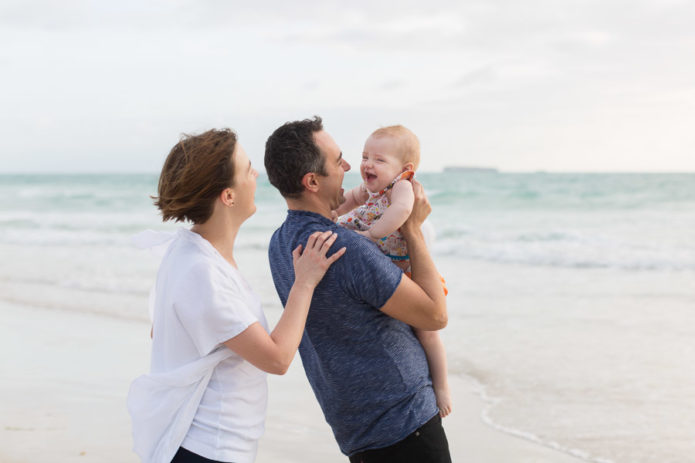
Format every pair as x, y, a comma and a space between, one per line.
388, 152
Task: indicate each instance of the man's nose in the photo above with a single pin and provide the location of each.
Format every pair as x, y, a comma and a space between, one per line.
346, 165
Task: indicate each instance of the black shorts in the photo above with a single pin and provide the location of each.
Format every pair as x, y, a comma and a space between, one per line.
427, 444
186, 456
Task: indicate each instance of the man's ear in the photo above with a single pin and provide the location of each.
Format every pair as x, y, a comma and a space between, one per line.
310, 182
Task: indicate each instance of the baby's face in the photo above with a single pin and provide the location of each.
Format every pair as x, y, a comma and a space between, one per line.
381, 163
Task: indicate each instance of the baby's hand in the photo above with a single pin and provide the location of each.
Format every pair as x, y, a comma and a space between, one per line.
334, 216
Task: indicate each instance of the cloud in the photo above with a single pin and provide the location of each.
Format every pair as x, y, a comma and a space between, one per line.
391, 85
483, 74
510, 79
362, 31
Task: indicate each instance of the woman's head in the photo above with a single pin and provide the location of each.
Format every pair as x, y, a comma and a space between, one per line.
197, 170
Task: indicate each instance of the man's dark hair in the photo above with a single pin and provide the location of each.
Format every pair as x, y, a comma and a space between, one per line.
291, 153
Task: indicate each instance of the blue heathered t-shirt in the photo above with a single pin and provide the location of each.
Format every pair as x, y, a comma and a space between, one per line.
368, 370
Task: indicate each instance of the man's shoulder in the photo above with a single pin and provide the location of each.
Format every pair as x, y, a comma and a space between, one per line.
301, 221
356, 242
297, 229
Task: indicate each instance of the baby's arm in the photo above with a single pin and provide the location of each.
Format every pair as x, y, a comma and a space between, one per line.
436, 359
397, 213
353, 198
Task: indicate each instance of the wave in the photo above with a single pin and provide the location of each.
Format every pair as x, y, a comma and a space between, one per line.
569, 250
63, 237
561, 191
85, 283
480, 380
486, 418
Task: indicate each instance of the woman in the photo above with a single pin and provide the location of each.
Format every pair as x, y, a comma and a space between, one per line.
205, 397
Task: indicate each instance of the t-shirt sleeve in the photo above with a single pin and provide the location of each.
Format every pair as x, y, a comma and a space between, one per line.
211, 307
368, 275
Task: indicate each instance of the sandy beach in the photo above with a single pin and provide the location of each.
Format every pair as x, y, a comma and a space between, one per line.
65, 379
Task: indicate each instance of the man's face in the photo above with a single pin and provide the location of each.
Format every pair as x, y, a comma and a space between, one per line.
331, 189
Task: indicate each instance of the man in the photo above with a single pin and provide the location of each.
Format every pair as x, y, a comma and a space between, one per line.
367, 369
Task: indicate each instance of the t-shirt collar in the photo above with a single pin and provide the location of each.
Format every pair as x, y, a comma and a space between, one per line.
297, 214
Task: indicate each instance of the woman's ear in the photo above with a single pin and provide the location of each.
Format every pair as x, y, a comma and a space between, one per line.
310, 182
227, 197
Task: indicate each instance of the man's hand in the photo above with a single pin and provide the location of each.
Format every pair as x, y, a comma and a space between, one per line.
421, 209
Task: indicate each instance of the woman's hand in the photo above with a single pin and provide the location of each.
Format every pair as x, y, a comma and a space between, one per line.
311, 264
274, 352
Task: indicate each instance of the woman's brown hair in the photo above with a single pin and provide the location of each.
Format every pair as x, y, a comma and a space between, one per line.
197, 170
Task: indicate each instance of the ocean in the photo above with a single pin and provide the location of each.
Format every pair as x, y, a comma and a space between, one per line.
571, 304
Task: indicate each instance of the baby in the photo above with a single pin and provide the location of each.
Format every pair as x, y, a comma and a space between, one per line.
378, 207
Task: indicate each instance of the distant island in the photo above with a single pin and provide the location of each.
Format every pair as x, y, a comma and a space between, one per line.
461, 169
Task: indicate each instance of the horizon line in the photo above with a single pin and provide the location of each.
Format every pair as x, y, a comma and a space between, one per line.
495, 171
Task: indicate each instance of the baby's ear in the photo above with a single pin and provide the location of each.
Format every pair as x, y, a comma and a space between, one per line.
408, 166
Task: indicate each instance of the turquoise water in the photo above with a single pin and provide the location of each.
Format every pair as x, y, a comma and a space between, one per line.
632, 221
471, 191
572, 296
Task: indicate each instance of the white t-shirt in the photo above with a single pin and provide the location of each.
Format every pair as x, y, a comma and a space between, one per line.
200, 301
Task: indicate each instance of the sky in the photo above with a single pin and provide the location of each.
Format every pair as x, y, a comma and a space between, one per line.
580, 86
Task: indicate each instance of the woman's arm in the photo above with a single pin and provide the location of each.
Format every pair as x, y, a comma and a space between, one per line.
274, 352
397, 213
353, 198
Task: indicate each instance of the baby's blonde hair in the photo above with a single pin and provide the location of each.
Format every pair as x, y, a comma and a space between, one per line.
408, 146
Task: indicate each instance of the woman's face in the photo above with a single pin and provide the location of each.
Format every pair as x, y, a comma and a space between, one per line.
244, 182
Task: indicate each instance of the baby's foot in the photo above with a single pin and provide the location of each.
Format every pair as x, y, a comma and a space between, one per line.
443, 397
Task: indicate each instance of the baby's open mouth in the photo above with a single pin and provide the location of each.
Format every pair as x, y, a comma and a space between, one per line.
370, 176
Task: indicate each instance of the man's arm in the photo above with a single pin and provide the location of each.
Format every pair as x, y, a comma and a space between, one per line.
420, 302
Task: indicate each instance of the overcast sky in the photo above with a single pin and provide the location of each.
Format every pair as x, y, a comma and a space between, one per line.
556, 85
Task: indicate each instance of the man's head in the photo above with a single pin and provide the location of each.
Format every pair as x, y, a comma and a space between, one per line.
290, 153
301, 157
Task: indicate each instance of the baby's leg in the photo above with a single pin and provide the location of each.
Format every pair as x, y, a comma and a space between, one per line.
436, 358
